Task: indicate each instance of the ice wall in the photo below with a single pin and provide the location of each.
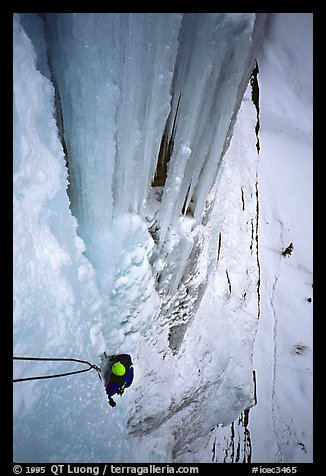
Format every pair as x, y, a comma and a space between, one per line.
117, 74
207, 90
113, 73
117, 79
56, 300
48, 259
124, 82
212, 69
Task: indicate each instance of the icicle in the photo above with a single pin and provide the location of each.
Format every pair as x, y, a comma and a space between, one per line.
209, 100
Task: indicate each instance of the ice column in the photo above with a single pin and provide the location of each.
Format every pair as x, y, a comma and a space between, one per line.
113, 72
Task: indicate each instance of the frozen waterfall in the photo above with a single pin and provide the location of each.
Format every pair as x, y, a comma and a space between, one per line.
144, 95
122, 122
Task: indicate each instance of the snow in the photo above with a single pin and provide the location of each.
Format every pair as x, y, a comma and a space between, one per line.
200, 299
284, 338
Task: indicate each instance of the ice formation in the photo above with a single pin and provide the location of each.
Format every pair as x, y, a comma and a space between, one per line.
149, 79
137, 96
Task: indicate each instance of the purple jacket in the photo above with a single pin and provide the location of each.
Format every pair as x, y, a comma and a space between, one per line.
112, 382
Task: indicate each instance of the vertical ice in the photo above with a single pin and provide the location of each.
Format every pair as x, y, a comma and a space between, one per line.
122, 82
114, 74
214, 61
56, 301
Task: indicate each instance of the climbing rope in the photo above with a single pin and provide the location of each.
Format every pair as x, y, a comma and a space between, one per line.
91, 366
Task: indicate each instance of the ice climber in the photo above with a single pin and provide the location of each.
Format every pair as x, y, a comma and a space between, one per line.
117, 374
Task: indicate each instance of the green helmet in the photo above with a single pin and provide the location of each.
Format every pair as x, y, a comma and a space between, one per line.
118, 369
